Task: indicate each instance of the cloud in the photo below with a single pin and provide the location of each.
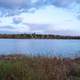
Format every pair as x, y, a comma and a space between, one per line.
17, 20
10, 24
30, 3
12, 7
16, 28
47, 15
13, 3
6, 27
35, 26
40, 16
62, 20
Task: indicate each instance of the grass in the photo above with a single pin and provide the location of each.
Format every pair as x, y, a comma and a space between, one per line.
20, 67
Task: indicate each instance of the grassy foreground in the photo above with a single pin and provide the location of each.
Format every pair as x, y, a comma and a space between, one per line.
20, 67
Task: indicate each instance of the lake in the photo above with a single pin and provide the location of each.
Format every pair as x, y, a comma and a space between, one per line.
49, 47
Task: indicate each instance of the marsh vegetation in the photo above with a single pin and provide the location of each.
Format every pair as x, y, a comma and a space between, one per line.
21, 67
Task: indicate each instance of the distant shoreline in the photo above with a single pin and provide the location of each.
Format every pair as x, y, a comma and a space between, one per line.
36, 36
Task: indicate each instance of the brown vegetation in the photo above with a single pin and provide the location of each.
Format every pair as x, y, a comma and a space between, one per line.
18, 67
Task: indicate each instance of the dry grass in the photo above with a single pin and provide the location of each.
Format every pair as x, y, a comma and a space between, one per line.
18, 67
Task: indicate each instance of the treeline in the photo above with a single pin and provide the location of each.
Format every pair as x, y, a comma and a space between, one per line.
37, 36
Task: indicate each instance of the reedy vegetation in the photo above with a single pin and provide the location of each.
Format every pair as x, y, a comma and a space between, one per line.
21, 67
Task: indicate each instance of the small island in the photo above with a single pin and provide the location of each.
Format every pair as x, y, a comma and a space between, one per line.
37, 36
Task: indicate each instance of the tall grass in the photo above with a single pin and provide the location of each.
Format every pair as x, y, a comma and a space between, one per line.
19, 67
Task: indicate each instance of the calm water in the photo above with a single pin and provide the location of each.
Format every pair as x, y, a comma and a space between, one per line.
40, 47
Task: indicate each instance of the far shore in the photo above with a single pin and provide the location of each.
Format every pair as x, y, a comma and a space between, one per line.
36, 36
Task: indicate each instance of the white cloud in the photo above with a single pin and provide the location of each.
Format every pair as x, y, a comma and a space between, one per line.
34, 1
57, 19
7, 22
48, 14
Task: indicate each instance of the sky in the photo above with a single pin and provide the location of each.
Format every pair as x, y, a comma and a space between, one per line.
40, 16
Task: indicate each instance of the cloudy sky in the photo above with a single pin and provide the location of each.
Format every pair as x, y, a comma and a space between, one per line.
40, 16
